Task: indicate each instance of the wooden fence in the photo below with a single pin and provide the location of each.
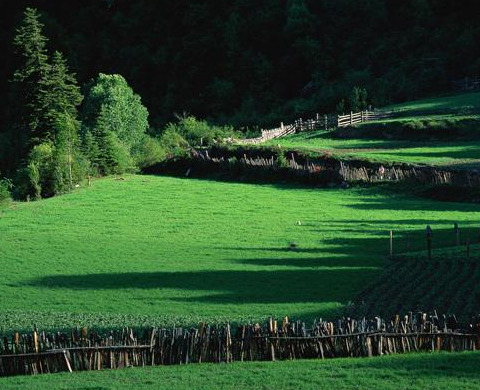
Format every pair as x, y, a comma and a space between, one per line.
360, 117
324, 122
333, 171
80, 350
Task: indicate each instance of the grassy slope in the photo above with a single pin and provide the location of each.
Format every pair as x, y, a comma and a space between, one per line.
424, 152
401, 372
185, 250
461, 102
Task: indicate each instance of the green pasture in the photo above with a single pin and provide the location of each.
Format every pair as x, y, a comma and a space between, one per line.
399, 372
459, 111
459, 154
461, 103
143, 249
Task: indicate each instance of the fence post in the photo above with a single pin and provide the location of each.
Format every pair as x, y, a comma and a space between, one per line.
361, 115
391, 244
429, 234
326, 122
351, 118
281, 126
338, 120
300, 124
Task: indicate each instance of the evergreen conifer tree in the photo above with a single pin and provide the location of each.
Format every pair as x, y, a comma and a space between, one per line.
30, 44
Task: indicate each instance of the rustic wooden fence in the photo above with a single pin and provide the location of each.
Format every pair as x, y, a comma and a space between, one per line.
337, 171
320, 122
324, 122
360, 117
79, 350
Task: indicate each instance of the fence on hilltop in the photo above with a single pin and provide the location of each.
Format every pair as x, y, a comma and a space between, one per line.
80, 350
320, 122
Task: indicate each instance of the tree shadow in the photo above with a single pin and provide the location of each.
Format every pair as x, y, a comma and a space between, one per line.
304, 262
225, 287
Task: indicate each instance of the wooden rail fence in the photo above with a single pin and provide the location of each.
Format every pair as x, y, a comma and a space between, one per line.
324, 122
360, 117
80, 350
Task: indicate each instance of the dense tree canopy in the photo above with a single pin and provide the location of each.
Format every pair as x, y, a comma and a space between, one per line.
254, 62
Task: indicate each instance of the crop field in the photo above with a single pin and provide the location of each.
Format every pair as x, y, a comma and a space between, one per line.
447, 283
426, 372
423, 114
163, 250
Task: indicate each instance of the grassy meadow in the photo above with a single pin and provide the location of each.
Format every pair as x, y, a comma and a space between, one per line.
163, 250
398, 372
421, 113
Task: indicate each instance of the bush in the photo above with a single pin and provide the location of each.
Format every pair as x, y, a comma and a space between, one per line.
148, 151
5, 188
174, 144
200, 133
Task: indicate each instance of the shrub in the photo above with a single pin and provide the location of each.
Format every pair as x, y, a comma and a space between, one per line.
5, 188
149, 151
174, 144
200, 133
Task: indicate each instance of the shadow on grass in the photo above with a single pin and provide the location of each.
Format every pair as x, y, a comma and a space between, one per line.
279, 286
303, 262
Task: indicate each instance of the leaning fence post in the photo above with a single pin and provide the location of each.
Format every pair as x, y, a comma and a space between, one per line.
351, 117
391, 244
429, 234
456, 230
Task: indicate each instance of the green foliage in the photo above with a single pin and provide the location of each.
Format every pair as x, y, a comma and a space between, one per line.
40, 171
30, 44
114, 126
200, 133
111, 106
5, 190
173, 142
69, 164
282, 161
358, 99
47, 119
148, 152
234, 63
60, 96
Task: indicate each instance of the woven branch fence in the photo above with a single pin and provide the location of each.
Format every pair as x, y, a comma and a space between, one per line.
337, 171
80, 350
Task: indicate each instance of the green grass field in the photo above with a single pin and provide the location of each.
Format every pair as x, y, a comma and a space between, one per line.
168, 250
460, 153
461, 103
400, 372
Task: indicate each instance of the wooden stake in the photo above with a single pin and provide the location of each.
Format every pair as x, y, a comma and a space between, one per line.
391, 244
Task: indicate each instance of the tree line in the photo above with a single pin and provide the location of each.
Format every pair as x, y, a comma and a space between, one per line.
247, 62
59, 135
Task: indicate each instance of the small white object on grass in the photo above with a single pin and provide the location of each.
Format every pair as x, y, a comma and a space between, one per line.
299, 223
